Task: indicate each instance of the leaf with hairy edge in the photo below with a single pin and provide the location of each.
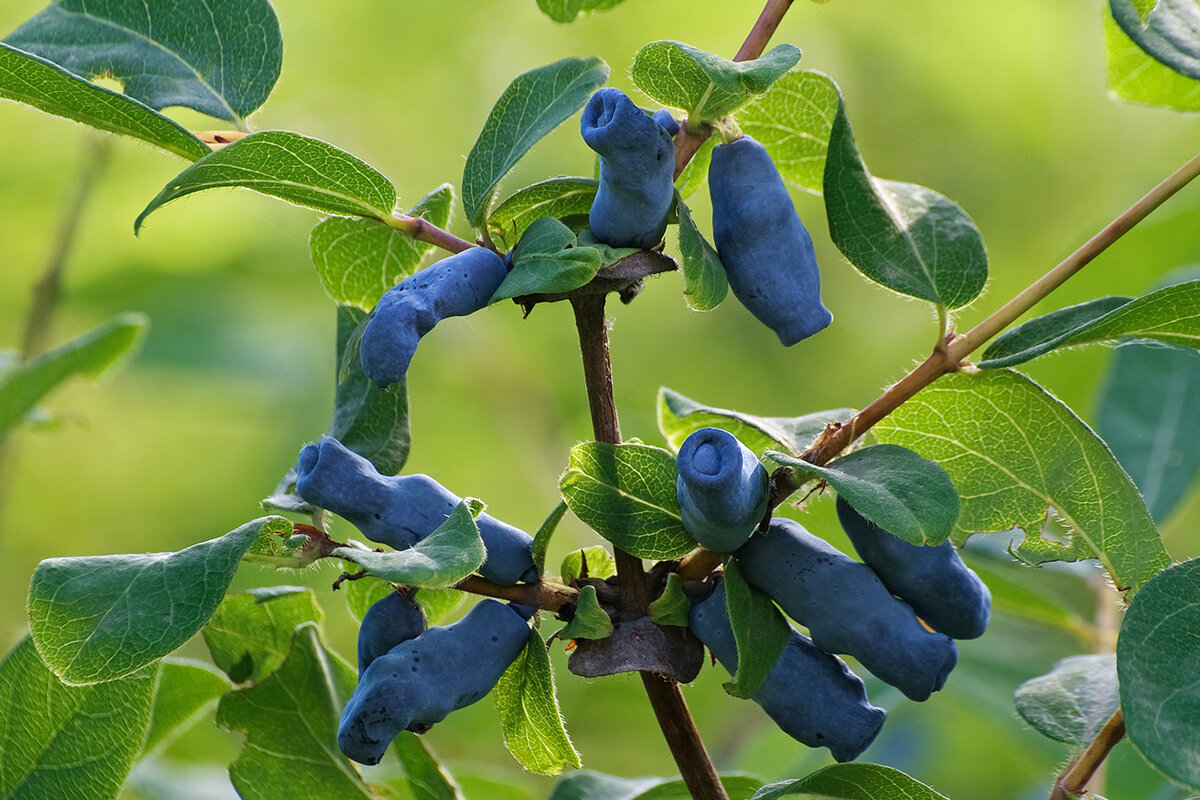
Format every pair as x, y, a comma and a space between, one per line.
672, 606
600, 564
567, 10
1135, 77
793, 120
1170, 315
760, 631
906, 495
1032, 455
679, 417
445, 557
250, 633
97, 618
68, 741
28, 79
530, 718
626, 493
535, 103
541, 539
567, 199
424, 776
185, 691
219, 59
704, 85
851, 782
704, 281
905, 237
360, 259
547, 260
92, 354
290, 721
1167, 32
1156, 670
295, 168
590, 620
1072, 702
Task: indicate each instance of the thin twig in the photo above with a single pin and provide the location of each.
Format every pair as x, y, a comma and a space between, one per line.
1072, 782
763, 30
425, 231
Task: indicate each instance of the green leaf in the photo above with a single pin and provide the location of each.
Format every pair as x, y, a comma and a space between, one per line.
1135, 77
48, 87
445, 557
530, 718
541, 539
535, 103
567, 10
600, 564
439, 603
696, 171
1156, 670
851, 782
672, 606
424, 775
290, 722
1072, 702
68, 741
590, 620
589, 785
704, 282
760, 631
679, 417
704, 85
360, 259
292, 167
98, 618
626, 493
222, 60
738, 787
905, 237
906, 495
794, 120
1033, 454
1167, 32
364, 592
1150, 416
283, 547
561, 198
185, 691
23, 386
1170, 315
250, 633
547, 260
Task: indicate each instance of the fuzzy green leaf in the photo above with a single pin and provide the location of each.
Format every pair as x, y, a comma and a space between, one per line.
704, 281
567, 199
1072, 702
590, 620
547, 260
530, 718
535, 103
185, 692
793, 121
672, 606
600, 564
851, 782
250, 634
1136, 77
760, 631
1167, 32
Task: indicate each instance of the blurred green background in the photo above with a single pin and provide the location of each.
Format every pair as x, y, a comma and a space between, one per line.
1001, 107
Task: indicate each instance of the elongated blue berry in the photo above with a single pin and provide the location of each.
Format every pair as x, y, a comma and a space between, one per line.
453, 287
420, 681
846, 609
812, 696
389, 621
722, 489
767, 253
637, 165
402, 510
943, 590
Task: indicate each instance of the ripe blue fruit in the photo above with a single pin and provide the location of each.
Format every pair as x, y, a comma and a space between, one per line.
388, 622
453, 287
812, 696
846, 609
943, 590
668, 122
402, 510
767, 253
420, 681
637, 166
722, 489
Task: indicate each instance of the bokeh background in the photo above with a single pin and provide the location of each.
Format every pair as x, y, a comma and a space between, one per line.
1001, 107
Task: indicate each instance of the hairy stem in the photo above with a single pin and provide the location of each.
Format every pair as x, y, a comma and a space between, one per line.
666, 699
1072, 782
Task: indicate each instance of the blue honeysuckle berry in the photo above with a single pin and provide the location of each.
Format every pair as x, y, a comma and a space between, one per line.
456, 286
420, 681
665, 119
389, 621
402, 510
768, 254
846, 609
722, 489
637, 166
811, 695
941, 589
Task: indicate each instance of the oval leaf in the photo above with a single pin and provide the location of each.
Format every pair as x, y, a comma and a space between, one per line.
547, 260
704, 281
1072, 702
1136, 77
530, 718
535, 103
704, 85
1156, 667
220, 59
626, 493
98, 618
560, 198
590, 620
851, 782
1167, 32
793, 120
250, 634
292, 167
